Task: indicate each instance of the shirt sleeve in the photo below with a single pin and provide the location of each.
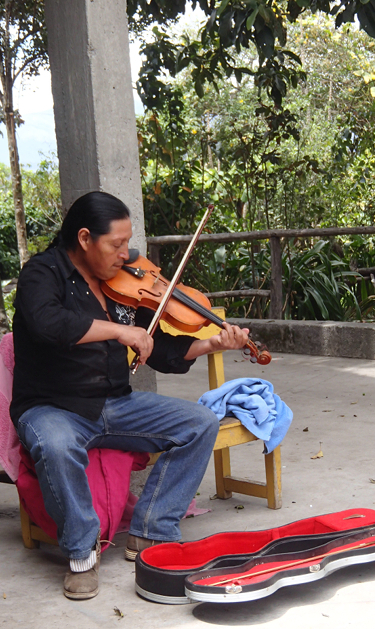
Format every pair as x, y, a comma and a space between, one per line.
169, 351
39, 301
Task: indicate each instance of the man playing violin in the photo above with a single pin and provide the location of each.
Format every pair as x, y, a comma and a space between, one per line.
71, 389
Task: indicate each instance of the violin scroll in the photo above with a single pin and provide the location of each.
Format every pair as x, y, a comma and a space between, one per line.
256, 353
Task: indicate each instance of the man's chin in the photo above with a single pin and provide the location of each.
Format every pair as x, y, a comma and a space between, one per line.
109, 275
115, 270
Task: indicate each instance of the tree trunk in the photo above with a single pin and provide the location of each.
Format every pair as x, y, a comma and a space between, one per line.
16, 186
7, 80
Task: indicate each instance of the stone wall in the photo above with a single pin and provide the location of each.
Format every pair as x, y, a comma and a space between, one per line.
317, 338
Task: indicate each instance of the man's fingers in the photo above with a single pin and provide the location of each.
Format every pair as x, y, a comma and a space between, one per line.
138, 339
145, 348
233, 337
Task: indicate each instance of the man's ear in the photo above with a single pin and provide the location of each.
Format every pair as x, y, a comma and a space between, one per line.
84, 238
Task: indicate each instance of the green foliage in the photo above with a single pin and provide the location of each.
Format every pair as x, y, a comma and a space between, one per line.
359, 251
41, 191
9, 259
212, 62
266, 166
143, 13
228, 268
319, 284
9, 298
42, 200
233, 26
307, 164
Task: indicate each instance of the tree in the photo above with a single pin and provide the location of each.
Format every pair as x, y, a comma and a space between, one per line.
233, 26
23, 51
308, 163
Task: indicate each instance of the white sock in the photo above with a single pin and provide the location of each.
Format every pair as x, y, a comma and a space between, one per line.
81, 565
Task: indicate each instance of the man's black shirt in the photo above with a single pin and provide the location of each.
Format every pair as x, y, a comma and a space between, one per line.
54, 308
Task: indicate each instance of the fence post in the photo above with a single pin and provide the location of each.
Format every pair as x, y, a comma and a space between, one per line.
154, 254
276, 287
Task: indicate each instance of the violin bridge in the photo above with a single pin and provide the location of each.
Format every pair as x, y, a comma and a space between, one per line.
156, 278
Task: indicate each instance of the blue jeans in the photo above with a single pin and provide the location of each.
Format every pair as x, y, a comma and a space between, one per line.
58, 442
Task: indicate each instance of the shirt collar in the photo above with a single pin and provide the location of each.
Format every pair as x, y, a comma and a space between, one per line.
67, 265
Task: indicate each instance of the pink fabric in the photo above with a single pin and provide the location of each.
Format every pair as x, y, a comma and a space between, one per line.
193, 510
9, 443
7, 352
124, 524
108, 474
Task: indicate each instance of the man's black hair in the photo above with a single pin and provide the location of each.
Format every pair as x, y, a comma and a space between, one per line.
95, 211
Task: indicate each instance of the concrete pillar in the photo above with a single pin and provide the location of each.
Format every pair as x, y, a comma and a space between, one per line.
93, 102
96, 136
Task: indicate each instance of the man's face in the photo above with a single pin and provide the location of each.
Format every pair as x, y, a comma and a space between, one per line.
106, 255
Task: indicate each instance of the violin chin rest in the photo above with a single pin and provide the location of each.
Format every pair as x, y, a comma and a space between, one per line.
133, 256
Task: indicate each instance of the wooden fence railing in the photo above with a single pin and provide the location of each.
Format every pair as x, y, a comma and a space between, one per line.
274, 236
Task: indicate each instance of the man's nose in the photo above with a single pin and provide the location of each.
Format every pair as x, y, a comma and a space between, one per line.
124, 253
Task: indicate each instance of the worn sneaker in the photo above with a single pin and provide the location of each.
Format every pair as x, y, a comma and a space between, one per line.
82, 585
136, 544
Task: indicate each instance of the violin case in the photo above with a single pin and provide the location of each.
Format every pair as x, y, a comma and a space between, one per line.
244, 566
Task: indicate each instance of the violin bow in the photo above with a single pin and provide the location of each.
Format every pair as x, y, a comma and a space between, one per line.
168, 293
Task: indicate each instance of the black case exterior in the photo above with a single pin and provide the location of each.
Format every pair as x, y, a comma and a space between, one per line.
166, 585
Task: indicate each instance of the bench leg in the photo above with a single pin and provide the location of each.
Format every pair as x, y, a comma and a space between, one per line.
222, 469
273, 478
26, 530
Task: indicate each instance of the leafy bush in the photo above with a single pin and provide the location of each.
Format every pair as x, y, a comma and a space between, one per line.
41, 192
319, 284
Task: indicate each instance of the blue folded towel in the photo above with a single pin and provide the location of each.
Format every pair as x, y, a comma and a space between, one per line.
253, 402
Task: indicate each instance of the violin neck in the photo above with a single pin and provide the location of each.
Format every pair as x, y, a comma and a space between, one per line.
194, 305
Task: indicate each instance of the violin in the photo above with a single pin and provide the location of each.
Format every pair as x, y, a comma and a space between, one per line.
139, 283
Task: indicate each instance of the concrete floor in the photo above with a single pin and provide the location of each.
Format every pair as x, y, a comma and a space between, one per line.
333, 399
